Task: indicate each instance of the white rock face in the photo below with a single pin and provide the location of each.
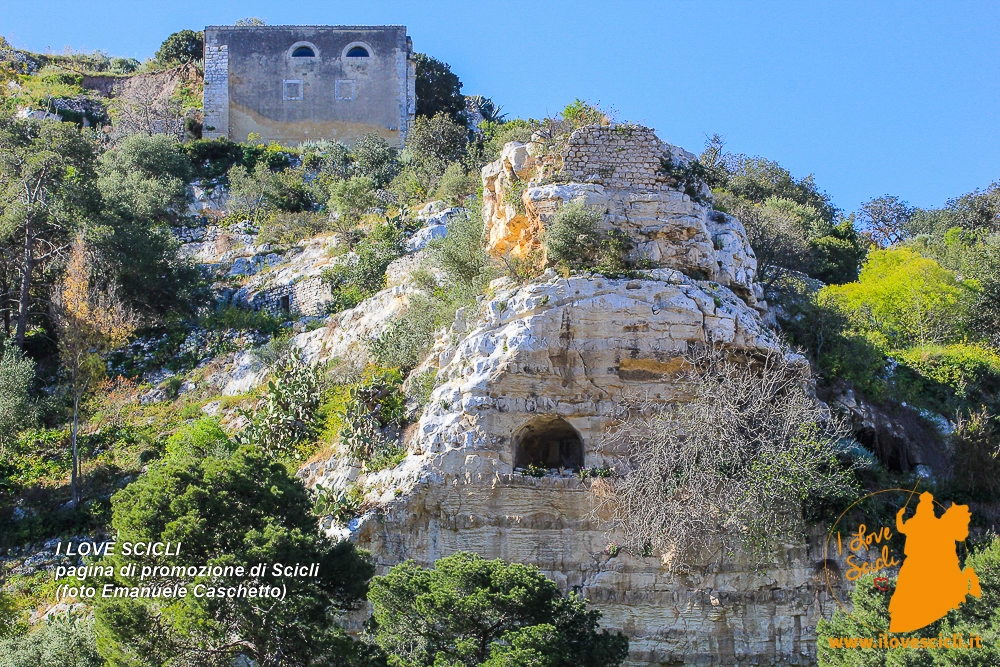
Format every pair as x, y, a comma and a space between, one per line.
425, 235
567, 349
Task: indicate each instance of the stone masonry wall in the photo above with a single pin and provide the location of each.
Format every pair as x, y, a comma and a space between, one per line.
619, 156
216, 100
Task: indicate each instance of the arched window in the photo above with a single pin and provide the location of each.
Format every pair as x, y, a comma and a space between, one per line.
357, 52
303, 52
548, 442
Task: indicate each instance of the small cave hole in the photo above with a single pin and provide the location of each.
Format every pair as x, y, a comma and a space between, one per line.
548, 443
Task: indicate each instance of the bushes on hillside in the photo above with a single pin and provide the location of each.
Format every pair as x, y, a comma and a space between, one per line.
575, 241
361, 274
63, 641
902, 299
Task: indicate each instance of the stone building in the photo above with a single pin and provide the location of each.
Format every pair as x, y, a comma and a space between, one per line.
297, 83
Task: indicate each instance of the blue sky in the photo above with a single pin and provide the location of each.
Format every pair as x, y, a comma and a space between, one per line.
871, 97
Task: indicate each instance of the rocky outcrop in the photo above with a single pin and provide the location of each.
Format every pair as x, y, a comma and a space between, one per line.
639, 185
528, 381
555, 356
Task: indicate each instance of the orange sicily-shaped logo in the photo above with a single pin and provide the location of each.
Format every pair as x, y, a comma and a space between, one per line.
931, 583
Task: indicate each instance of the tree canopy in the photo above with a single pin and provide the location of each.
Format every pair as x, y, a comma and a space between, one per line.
468, 611
438, 89
243, 508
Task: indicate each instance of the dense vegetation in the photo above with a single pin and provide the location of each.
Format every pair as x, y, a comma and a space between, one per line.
109, 333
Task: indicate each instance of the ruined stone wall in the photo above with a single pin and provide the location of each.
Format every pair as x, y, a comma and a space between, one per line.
619, 156
618, 171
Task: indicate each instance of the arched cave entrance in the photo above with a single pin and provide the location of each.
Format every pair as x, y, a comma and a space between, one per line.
548, 442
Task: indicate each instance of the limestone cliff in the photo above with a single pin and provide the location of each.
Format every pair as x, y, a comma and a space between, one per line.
534, 375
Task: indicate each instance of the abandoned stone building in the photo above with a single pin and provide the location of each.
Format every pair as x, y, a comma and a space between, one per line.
297, 83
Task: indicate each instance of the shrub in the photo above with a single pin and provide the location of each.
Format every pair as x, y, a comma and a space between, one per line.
248, 191
468, 611
373, 158
200, 439
581, 113
351, 198
574, 240
64, 641
949, 378
290, 228
213, 158
242, 319
17, 410
421, 386
462, 252
456, 184
289, 192
731, 468
327, 158
285, 417
361, 275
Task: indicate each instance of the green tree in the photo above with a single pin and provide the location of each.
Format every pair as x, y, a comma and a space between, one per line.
468, 611
438, 89
145, 178
17, 410
433, 142
248, 190
46, 191
757, 179
374, 158
182, 47
239, 510
352, 197
902, 299
143, 186
886, 220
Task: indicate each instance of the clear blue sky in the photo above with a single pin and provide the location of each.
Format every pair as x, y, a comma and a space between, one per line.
871, 97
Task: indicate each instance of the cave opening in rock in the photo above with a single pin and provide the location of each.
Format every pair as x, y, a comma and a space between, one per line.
548, 442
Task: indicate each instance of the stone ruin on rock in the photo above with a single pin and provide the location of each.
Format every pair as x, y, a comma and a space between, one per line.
533, 379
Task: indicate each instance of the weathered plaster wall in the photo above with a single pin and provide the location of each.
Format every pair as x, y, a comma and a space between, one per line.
254, 85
